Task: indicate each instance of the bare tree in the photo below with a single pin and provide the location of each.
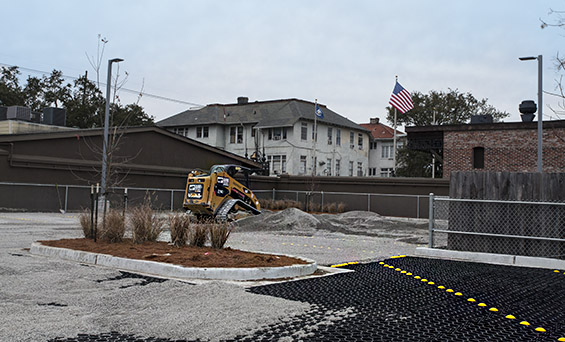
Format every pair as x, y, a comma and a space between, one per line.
97, 62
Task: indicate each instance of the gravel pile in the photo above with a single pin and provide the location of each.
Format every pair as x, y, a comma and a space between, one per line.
296, 221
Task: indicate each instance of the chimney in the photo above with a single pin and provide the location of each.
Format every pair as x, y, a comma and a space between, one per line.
374, 121
242, 100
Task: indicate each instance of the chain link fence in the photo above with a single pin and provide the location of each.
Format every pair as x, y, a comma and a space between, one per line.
396, 205
55, 197
504, 227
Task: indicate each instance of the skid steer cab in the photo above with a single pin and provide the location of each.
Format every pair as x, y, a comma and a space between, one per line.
217, 194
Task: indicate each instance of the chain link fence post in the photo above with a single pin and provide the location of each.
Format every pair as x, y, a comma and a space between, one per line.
431, 221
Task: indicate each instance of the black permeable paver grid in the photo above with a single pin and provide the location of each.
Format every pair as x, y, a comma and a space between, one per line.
417, 299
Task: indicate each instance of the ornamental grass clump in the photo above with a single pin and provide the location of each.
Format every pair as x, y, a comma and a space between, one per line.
145, 225
180, 229
219, 234
113, 227
84, 220
198, 234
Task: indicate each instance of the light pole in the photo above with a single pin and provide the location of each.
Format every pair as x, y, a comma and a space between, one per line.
540, 107
106, 123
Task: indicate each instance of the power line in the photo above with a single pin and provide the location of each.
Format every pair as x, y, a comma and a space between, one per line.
158, 97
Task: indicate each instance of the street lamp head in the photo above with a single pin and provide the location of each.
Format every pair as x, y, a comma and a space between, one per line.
529, 58
116, 60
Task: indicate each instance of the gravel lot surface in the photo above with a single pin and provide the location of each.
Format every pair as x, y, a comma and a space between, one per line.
43, 298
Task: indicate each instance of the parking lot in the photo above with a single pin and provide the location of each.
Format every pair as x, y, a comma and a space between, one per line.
47, 299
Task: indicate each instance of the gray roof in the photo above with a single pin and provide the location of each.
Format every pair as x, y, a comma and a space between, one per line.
265, 114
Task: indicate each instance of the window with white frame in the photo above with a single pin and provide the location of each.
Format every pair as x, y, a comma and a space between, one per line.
304, 131
277, 163
236, 134
360, 141
181, 131
386, 151
329, 167
359, 169
277, 133
330, 135
302, 170
338, 137
202, 131
351, 168
337, 165
386, 172
351, 140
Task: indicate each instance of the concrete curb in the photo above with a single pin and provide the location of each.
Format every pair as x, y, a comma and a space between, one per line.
490, 258
175, 271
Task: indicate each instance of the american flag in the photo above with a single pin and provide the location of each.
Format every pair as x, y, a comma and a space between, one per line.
400, 99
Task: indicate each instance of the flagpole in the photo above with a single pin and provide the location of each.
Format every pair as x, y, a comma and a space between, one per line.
394, 145
315, 138
394, 139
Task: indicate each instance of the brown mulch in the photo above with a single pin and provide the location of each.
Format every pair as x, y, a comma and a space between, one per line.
187, 256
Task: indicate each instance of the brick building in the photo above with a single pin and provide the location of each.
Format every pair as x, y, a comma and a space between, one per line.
492, 146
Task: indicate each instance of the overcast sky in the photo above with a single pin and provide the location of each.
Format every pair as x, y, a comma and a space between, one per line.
343, 53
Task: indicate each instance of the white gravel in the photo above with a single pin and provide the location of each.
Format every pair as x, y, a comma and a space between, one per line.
42, 298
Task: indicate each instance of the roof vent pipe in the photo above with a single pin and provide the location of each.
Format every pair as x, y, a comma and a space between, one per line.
527, 109
242, 100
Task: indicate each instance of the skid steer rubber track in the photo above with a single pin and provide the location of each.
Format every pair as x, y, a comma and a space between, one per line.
222, 212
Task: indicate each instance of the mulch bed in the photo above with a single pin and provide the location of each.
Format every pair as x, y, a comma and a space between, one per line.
187, 256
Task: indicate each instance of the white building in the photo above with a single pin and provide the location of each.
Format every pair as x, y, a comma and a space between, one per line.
381, 152
281, 133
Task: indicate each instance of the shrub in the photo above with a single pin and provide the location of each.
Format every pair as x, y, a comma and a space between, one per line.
145, 225
84, 220
341, 207
330, 208
315, 207
219, 234
198, 234
180, 229
113, 226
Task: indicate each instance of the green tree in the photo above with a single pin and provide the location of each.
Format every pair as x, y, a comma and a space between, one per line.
85, 105
447, 108
33, 92
11, 93
439, 108
413, 163
83, 100
129, 115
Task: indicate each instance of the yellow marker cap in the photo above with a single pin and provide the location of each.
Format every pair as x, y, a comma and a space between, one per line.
482, 304
408, 273
381, 263
397, 269
540, 329
441, 287
449, 290
458, 294
510, 317
556, 271
493, 309
403, 272
471, 300
417, 277
425, 280
524, 323
561, 339
431, 283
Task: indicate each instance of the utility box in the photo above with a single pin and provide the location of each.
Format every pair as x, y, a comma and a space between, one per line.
18, 113
54, 116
